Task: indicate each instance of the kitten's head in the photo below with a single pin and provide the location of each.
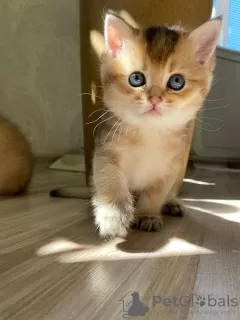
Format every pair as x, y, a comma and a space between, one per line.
157, 76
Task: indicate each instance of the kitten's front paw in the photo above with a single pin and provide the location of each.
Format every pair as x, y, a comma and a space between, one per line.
112, 221
146, 223
173, 208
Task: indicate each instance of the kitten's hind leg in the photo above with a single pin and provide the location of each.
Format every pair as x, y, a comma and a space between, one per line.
174, 208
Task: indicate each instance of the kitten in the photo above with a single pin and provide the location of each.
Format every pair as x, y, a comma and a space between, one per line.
155, 80
15, 160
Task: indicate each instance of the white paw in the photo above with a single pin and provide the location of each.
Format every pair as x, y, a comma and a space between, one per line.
111, 221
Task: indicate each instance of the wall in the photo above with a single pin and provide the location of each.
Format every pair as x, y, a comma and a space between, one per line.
40, 72
217, 128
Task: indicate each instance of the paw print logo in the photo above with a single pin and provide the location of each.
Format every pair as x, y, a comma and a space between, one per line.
200, 301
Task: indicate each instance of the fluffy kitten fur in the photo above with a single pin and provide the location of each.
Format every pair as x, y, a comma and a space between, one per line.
15, 160
139, 154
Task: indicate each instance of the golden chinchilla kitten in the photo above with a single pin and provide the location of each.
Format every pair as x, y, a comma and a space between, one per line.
155, 80
15, 160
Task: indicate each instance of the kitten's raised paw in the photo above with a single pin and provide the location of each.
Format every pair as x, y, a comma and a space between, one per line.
146, 223
174, 209
111, 221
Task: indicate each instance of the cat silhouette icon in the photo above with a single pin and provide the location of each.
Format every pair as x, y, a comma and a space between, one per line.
137, 308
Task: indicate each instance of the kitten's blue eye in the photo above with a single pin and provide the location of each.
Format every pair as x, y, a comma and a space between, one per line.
137, 79
176, 82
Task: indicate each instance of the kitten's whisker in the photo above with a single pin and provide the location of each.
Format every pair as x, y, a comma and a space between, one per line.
207, 109
212, 118
119, 134
95, 112
115, 131
98, 117
215, 80
109, 132
101, 123
84, 93
204, 122
99, 86
210, 129
210, 100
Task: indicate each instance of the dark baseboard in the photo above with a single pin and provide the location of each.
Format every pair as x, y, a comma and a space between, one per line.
229, 163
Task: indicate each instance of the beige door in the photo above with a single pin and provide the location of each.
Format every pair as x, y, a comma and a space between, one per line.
145, 12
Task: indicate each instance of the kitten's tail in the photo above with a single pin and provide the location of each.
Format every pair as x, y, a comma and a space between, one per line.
77, 192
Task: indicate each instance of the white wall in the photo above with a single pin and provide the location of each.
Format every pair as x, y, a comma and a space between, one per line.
40, 72
217, 133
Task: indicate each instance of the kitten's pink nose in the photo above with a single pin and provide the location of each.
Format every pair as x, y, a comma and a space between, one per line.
155, 100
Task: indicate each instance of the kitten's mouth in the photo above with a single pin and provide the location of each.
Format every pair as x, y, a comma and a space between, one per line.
153, 111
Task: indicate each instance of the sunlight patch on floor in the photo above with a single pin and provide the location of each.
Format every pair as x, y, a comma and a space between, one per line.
56, 246
110, 252
194, 181
213, 207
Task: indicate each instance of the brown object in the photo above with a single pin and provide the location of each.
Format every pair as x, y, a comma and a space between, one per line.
151, 12
15, 160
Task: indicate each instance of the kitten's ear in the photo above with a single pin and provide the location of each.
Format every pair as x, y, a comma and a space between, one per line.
116, 32
205, 39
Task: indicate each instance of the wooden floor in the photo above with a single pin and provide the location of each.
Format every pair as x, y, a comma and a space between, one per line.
54, 267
